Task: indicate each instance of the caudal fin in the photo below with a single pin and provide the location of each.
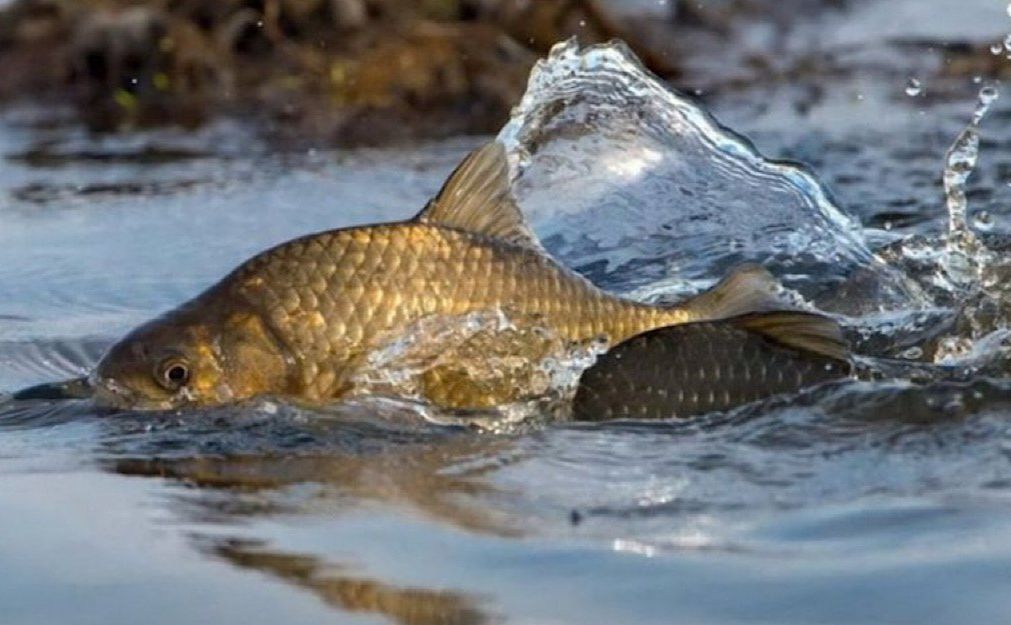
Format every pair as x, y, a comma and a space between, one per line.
746, 289
750, 298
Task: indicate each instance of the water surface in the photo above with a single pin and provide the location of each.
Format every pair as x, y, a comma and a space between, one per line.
876, 501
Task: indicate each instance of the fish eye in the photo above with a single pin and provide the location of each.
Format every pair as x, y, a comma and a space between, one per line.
173, 373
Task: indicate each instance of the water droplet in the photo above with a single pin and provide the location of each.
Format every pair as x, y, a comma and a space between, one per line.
582, 23
888, 225
913, 353
996, 49
913, 87
982, 220
987, 95
951, 349
977, 79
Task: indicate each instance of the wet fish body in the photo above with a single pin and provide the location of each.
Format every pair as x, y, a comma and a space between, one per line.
697, 368
333, 298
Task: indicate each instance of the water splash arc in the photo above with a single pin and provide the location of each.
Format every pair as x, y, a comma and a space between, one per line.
645, 192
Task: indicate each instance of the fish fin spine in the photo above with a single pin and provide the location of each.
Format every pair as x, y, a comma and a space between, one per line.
477, 198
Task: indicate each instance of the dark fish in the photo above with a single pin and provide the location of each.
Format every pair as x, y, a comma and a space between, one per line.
696, 368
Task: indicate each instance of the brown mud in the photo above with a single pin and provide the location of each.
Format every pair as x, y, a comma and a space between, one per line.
337, 71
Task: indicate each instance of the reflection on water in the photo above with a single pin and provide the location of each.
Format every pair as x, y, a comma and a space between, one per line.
407, 606
375, 513
442, 479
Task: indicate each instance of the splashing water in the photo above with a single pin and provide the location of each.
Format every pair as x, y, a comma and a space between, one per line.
639, 188
975, 274
522, 371
966, 254
959, 274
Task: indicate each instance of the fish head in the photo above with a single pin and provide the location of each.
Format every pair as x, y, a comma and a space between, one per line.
190, 358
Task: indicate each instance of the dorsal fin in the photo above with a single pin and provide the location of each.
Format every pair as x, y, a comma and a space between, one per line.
476, 198
804, 331
746, 289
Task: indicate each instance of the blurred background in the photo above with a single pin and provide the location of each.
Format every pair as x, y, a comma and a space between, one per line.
339, 72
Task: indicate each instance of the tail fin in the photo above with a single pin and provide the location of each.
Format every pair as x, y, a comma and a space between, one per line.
749, 298
747, 289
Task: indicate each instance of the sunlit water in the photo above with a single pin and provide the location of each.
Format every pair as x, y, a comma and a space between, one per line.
886, 500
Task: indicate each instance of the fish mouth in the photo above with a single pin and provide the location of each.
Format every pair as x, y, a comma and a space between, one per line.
75, 388
104, 392
111, 395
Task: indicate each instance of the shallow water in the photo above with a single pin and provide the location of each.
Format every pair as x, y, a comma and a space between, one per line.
877, 501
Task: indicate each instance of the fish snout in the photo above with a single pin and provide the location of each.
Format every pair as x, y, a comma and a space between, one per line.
76, 388
107, 393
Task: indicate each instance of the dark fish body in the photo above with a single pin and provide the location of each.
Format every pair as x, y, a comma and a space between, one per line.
696, 368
